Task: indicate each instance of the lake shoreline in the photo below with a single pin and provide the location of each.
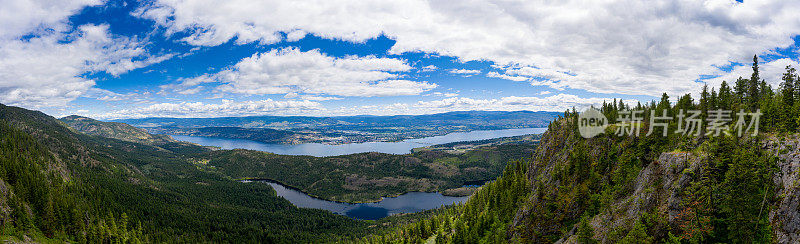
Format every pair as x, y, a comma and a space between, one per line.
409, 202
444, 193
324, 150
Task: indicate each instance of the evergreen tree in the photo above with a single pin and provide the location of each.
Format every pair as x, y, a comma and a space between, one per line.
725, 96
796, 89
740, 89
685, 102
704, 107
787, 86
753, 85
788, 97
746, 184
663, 104
713, 100
637, 234
586, 232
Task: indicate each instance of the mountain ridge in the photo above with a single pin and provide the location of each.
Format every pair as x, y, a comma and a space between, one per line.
213, 121
114, 130
66, 186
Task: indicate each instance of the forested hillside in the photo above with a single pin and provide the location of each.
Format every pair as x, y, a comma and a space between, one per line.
255, 134
367, 177
680, 188
114, 130
60, 185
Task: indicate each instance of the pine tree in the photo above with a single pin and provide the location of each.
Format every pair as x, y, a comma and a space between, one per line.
637, 234
704, 107
740, 89
585, 232
713, 100
787, 86
123, 226
765, 90
725, 96
788, 93
796, 89
753, 85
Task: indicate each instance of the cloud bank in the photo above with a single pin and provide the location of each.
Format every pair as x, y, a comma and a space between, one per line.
289, 70
627, 47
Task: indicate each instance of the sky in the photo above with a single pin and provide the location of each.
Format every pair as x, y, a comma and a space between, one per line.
205, 58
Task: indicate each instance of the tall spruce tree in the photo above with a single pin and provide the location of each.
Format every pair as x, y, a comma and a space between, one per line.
789, 96
663, 104
713, 101
704, 107
725, 96
740, 88
796, 89
753, 85
787, 86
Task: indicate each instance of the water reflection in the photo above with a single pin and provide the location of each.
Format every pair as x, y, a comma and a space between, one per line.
407, 203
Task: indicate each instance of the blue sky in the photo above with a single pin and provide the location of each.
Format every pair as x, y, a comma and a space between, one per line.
198, 58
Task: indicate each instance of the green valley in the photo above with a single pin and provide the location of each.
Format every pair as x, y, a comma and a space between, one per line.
118, 183
366, 177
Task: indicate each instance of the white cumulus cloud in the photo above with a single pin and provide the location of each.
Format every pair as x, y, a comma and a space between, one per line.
289, 70
44, 60
629, 47
226, 108
20, 17
45, 71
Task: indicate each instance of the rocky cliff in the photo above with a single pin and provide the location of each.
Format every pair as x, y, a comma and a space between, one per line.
668, 186
785, 212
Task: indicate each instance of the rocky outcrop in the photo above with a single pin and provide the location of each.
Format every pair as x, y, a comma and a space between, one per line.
785, 212
657, 187
660, 187
5, 210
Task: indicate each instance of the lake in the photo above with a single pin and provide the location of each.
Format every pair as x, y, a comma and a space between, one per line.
324, 150
411, 202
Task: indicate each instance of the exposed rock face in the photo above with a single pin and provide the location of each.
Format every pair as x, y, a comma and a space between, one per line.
5, 210
785, 212
659, 187
676, 169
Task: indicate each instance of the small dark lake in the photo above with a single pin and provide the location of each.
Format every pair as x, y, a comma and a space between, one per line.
407, 203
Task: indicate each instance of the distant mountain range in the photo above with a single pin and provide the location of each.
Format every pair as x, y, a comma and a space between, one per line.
486, 119
343, 129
